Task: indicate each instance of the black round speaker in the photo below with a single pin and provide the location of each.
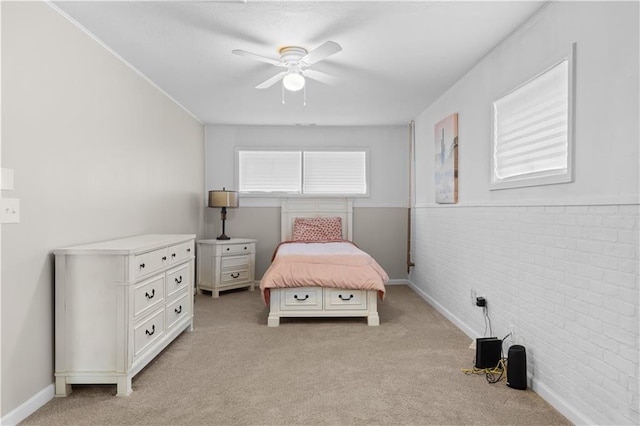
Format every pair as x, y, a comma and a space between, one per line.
517, 367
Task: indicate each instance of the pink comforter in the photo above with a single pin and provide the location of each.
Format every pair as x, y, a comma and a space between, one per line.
331, 264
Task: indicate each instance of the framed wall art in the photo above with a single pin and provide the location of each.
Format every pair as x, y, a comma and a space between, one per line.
446, 160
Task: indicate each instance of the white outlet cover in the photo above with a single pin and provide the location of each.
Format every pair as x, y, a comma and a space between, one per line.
9, 210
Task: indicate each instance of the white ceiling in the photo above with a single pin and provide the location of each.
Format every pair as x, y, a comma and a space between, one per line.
397, 57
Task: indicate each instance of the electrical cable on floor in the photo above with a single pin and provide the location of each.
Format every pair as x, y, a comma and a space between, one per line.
495, 374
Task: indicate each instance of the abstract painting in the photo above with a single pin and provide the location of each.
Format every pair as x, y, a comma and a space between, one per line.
446, 160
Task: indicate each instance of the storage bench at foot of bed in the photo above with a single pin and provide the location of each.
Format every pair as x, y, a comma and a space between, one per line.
322, 302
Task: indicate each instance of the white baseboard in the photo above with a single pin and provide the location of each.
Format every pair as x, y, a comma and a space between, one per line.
451, 317
29, 406
401, 281
557, 402
537, 386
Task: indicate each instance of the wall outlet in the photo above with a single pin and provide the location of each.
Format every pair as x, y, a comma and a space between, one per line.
9, 210
473, 297
512, 332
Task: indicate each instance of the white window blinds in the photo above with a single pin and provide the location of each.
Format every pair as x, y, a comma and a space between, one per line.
531, 129
331, 172
302, 172
269, 171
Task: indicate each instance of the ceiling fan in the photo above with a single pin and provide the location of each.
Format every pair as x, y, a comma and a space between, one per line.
296, 61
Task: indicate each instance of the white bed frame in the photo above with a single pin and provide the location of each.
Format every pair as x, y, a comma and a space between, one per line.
365, 304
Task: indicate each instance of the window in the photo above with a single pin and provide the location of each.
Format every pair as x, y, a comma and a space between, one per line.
313, 172
532, 131
269, 171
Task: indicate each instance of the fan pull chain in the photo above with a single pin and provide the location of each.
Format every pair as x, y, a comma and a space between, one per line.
304, 95
283, 93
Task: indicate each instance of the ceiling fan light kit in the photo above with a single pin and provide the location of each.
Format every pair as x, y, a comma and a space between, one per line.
293, 81
296, 60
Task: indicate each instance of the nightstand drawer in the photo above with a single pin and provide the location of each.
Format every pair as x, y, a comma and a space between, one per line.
234, 262
307, 298
234, 277
228, 249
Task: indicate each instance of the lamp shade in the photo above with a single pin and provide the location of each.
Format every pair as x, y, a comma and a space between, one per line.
223, 198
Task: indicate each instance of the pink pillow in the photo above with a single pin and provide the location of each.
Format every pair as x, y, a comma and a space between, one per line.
317, 229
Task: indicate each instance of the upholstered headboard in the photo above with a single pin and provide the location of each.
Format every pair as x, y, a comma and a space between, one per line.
316, 207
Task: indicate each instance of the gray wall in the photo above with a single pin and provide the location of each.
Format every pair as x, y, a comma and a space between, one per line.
98, 153
382, 232
558, 264
380, 220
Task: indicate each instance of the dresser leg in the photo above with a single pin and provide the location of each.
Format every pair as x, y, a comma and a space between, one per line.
215, 293
124, 386
62, 387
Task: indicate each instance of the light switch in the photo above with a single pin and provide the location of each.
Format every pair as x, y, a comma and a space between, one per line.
6, 179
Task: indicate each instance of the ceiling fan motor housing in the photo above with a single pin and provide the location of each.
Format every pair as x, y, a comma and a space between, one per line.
292, 54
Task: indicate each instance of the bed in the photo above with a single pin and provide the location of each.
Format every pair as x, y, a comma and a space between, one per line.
316, 270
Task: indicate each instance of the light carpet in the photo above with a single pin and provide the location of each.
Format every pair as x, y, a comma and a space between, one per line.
234, 370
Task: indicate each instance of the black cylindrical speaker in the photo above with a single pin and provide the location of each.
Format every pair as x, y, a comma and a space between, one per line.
517, 367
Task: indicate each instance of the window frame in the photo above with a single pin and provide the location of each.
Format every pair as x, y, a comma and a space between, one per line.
540, 178
301, 194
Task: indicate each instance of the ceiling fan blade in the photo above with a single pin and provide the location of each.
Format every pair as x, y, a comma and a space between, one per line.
325, 50
320, 76
256, 57
270, 82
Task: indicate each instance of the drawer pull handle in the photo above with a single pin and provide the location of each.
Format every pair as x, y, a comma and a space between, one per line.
228, 249
153, 330
173, 255
178, 310
235, 275
142, 266
306, 296
188, 250
179, 280
345, 298
245, 248
164, 258
150, 296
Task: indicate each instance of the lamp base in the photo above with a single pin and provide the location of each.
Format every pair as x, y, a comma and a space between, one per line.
223, 237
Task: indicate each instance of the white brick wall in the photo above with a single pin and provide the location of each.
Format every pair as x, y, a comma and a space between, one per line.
565, 276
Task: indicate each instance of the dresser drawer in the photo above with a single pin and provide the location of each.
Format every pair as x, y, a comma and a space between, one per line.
229, 249
234, 262
178, 279
232, 277
147, 295
337, 299
147, 332
180, 252
178, 310
307, 298
148, 263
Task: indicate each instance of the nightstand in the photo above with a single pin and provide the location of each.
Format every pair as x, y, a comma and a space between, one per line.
225, 264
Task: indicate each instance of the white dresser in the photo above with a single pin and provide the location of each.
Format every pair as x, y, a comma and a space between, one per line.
226, 264
118, 303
